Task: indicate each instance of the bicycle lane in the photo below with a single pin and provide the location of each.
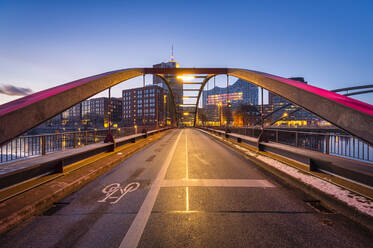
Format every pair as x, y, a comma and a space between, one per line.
99, 214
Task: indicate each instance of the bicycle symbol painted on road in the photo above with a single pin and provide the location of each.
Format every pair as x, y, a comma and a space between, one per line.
115, 191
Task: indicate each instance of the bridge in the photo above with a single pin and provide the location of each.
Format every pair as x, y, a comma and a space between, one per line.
201, 186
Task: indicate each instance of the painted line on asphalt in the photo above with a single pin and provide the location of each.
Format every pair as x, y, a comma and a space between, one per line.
252, 183
134, 233
186, 173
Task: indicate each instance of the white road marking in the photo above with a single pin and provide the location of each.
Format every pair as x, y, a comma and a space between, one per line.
111, 189
133, 235
217, 183
186, 173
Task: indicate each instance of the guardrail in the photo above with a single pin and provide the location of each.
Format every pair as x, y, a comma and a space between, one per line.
22, 170
341, 145
357, 171
36, 145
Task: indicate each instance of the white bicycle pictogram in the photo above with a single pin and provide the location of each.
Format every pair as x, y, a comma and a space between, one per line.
115, 191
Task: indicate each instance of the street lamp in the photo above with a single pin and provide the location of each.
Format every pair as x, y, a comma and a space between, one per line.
185, 77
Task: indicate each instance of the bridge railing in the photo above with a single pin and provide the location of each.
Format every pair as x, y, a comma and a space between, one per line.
341, 145
36, 145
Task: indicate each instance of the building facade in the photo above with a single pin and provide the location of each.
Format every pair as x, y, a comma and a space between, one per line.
144, 107
290, 114
95, 112
175, 85
241, 92
219, 103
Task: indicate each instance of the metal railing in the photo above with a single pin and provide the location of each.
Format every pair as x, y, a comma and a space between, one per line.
36, 145
341, 145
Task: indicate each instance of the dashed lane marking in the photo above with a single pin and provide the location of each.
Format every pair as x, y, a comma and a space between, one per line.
186, 173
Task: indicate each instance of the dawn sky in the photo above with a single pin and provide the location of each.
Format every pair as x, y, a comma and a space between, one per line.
47, 43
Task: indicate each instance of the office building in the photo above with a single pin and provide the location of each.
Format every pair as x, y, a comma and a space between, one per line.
175, 84
95, 112
145, 107
215, 101
241, 92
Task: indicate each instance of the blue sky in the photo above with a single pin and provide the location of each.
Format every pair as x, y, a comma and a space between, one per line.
46, 43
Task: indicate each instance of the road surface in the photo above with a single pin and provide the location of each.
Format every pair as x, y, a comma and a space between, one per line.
187, 190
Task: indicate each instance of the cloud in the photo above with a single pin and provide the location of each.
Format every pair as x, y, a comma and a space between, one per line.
11, 90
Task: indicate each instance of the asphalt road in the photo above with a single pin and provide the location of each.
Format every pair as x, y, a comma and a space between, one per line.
187, 190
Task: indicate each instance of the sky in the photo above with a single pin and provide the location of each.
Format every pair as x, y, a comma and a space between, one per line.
48, 43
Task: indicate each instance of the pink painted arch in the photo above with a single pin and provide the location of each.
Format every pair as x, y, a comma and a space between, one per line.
351, 115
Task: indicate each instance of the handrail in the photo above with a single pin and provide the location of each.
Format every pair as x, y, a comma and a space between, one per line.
23, 170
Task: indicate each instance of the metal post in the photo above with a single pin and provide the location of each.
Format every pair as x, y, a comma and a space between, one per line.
345, 140
43, 145
276, 136
109, 110
296, 139
86, 137
214, 90
227, 99
109, 137
74, 140
327, 139
11, 150
262, 108
16, 147
368, 151
6, 157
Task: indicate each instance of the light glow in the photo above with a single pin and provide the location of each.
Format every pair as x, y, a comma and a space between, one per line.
185, 77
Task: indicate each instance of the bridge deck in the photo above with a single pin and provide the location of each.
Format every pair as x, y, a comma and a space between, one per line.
186, 190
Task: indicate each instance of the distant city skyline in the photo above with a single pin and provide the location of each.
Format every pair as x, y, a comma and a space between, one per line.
45, 44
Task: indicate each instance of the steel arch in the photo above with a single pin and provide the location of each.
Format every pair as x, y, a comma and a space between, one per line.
346, 113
